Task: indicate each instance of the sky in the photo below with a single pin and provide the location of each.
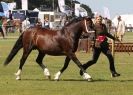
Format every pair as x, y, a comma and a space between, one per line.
116, 7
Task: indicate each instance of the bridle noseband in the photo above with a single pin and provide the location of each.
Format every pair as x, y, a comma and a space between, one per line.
86, 28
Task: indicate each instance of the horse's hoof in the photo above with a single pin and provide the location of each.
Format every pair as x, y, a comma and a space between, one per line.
90, 80
57, 76
86, 76
18, 78
48, 77
56, 79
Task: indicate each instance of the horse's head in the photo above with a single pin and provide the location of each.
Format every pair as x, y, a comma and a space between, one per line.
79, 25
87, 24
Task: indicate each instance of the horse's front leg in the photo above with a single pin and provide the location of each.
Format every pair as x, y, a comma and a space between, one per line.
86, 76
58, 74
39, 61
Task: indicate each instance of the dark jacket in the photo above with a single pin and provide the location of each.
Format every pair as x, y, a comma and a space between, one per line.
101, 30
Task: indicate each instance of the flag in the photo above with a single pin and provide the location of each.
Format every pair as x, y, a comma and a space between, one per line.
61, 4
80, 11
24, 4
77, 6
106, 12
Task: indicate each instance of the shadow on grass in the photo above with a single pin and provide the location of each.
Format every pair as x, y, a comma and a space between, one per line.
117, 80
80, 80
52, 80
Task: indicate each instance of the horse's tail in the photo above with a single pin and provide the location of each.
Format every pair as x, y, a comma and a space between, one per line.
18, 45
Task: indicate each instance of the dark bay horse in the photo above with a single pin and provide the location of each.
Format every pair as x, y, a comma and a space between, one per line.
52, 42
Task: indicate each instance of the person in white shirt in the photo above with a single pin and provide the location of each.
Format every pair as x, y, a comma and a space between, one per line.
120, 28
46, 22
25, 24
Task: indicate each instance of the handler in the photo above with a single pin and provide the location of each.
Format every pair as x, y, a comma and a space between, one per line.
101, 45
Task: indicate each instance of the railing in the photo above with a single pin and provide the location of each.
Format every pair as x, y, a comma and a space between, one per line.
86, 45
122, 47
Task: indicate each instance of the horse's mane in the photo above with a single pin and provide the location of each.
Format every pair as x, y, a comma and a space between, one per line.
76, 19
73, 20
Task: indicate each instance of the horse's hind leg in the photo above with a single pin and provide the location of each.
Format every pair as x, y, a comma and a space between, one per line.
22, 61
58, 74
39, 61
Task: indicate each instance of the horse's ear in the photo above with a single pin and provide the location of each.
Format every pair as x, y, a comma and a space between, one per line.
87, 17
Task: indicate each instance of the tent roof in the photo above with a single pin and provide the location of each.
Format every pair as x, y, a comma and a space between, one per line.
36, 10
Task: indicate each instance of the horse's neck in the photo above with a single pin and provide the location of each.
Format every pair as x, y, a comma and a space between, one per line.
74, 31
76, 28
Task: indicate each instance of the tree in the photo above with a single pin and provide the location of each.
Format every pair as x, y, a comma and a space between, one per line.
18, 4
88, 9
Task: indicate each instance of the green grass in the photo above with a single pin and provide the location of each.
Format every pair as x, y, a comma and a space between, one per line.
71, 83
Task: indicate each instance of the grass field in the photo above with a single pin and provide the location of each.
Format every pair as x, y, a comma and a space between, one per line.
71, 83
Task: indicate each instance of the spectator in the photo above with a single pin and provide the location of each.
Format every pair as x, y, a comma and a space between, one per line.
120, 29
108, 23
10, 15
4, 26
25, 24
46, 23
1, 30
63, 21
38, 22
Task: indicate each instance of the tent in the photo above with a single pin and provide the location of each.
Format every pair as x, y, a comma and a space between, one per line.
37, 10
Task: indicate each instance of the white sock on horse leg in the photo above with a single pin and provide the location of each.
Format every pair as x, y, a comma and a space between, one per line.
57, 75
46, 72
86, 76
18, 74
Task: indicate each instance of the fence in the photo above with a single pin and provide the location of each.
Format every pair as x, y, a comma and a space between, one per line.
86, 45
122, 47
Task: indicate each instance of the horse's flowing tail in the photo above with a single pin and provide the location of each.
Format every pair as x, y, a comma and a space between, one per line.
18, 45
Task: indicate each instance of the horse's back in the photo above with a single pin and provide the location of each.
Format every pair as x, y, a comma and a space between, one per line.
35, 33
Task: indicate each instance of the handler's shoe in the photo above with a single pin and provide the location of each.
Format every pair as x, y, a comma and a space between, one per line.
115, 75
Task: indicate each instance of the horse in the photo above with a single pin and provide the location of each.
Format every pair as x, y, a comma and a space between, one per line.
12, 25
63, 42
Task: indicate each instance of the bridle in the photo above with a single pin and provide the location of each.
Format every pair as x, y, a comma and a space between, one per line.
86, 28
